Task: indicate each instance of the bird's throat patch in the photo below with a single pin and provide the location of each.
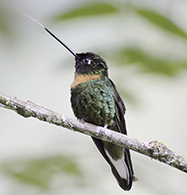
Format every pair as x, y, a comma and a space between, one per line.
83, 78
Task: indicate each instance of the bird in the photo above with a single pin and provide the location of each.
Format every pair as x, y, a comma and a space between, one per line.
95, 99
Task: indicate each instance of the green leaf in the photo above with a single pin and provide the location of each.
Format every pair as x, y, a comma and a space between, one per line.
40, 172
6, 17
88, 10
149, 63
162, 22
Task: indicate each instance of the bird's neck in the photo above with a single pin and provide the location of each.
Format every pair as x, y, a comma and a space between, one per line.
80, 78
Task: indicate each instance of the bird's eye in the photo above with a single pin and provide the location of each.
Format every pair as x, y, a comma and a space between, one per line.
87, 61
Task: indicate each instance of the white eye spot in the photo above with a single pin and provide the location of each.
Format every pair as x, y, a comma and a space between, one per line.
87, 61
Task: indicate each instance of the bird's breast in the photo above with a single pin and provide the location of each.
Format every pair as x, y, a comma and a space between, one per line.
93, 101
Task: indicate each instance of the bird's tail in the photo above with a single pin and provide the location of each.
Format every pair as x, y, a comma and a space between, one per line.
121, 167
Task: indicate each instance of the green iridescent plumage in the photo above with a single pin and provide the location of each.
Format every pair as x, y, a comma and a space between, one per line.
93, 101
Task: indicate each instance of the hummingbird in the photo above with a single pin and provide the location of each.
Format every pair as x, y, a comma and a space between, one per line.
95, 99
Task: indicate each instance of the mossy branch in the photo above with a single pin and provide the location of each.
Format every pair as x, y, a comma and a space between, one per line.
153, 149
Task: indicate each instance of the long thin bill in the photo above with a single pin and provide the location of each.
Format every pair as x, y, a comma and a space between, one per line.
54, 36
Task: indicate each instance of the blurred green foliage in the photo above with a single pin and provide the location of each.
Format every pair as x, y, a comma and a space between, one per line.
41, 172
161, 22
5, 27
148, 63
87, 10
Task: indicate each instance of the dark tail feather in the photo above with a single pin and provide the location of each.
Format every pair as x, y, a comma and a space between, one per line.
123, 183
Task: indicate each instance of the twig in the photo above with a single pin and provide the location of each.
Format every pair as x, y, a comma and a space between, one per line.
153, 149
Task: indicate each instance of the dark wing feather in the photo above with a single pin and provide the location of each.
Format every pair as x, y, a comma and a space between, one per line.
120, 111
120, 121
121, 126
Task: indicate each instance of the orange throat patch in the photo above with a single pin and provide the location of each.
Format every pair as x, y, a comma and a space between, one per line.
83, 78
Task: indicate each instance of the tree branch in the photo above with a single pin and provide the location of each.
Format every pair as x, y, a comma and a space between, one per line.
153, 149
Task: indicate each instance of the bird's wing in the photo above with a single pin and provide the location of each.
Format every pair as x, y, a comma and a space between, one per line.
119, 110
121, 166
121, 126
